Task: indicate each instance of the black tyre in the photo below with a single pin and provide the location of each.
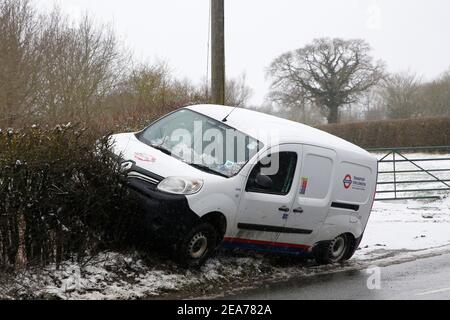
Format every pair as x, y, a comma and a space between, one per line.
354, 244
334, 251
197, 246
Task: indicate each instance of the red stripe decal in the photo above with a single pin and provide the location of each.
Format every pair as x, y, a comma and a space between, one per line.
268, 243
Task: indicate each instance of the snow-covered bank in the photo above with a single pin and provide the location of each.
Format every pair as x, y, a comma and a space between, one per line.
112, 275
396, 231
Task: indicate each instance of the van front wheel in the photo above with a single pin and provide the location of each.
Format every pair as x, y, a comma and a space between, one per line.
197, 246
333, 251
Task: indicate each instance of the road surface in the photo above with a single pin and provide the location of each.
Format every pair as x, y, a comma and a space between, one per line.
427, 278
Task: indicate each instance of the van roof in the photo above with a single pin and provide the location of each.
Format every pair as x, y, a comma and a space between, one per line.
272, 130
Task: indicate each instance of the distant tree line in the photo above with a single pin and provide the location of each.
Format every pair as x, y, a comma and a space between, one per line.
336, 80
54, 70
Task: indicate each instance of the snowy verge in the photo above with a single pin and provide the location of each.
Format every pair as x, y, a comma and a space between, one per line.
397, 232
408, 225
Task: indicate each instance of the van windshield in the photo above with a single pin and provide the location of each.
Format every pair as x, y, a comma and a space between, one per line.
202, 142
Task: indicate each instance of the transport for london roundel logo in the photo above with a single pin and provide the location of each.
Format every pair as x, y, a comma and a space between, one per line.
348, 181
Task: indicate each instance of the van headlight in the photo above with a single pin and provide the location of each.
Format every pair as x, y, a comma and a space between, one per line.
180, 185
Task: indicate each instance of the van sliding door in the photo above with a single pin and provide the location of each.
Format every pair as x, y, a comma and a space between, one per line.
312, 199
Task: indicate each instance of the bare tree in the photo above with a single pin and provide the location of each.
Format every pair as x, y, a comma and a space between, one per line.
82, 65
329, 72
400, 95
19, 58
372, 105
434, 97
53, 69
146, 86
237, 92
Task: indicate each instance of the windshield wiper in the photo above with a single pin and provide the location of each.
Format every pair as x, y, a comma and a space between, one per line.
162, 149
207, 169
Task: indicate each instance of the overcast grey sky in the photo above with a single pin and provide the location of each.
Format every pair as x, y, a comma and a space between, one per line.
406, 34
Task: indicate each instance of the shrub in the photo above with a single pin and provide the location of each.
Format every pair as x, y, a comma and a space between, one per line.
60, 195
394, 133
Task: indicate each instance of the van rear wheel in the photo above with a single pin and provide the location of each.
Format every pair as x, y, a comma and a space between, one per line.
197, 246
333, 251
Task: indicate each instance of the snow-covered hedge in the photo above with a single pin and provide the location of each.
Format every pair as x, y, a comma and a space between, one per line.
60, 196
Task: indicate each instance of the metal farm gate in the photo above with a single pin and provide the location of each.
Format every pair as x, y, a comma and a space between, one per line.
424, 175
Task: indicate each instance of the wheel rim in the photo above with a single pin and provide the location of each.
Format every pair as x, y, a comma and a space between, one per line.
198, 246
337, 248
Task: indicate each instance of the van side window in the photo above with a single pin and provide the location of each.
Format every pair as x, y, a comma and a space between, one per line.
282, 180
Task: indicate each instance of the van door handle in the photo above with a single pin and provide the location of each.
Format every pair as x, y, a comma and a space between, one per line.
298, 210
284, 209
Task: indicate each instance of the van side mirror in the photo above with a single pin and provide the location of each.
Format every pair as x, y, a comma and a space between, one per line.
264, 182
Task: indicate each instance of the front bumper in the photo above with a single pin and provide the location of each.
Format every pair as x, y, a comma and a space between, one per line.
165, 216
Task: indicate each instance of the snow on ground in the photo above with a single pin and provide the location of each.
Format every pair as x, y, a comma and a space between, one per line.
406, 225
397, 230
409, 224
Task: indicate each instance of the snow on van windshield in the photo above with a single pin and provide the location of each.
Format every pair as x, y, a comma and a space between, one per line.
202, 142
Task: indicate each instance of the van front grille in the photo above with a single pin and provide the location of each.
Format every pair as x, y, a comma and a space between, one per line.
143, 177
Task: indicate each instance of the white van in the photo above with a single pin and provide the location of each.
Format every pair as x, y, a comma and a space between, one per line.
213, 175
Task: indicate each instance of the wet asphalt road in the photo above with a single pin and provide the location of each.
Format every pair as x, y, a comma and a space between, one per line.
423, 279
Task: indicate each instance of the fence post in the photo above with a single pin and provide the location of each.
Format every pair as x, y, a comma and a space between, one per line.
395, 175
